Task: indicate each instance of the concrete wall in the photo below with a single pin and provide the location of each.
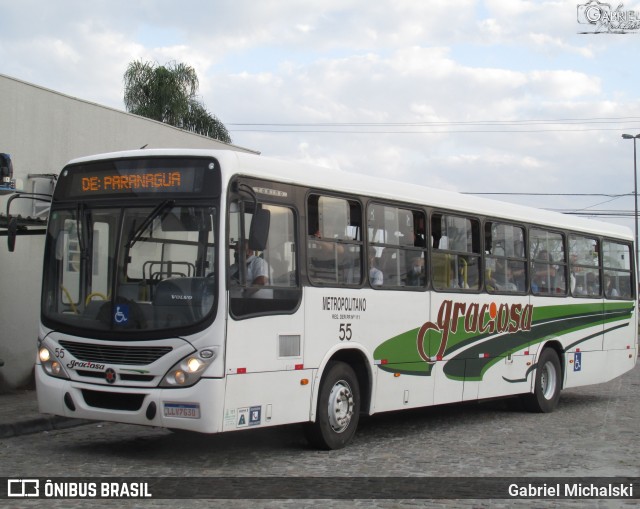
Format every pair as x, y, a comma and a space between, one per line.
42, 130
20, 283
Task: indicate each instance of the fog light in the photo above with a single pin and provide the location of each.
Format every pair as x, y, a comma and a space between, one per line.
44, 354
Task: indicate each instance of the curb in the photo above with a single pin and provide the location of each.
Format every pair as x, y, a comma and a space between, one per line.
31, 426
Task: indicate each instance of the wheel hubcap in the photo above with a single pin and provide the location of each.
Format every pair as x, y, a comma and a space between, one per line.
340, 406
548, 380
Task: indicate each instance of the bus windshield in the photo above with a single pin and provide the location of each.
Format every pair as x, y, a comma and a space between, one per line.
125, 269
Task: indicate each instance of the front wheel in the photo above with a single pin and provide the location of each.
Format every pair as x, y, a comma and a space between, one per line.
338, 408
547, 384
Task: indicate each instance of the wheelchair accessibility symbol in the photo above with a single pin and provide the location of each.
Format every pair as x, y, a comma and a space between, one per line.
121, 316
577, 361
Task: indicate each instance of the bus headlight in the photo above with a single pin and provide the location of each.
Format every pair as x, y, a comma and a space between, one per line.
189, 370
51, 365
194, 365
44, 354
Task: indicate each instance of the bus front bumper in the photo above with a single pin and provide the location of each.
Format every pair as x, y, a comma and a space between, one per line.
197, 408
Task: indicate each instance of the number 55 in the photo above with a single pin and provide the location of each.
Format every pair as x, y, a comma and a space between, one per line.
345, 332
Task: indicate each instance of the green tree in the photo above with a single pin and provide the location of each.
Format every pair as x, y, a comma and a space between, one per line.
168, 94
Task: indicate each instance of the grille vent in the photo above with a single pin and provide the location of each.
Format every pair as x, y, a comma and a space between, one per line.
289, 345
107, 354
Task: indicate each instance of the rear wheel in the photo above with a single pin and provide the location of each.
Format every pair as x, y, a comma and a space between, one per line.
338, 408
547, 384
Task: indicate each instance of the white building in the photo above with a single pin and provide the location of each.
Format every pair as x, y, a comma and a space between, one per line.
42, 130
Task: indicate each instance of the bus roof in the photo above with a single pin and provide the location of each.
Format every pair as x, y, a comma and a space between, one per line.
319, 177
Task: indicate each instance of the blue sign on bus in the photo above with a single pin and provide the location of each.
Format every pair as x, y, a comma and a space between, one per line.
577, 361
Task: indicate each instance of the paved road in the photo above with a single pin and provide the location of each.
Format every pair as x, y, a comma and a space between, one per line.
594, 432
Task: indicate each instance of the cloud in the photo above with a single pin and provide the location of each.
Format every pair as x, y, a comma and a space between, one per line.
435, 92
548, 43
420, 116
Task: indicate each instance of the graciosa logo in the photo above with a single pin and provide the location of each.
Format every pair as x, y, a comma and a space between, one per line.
603, 19
474, 318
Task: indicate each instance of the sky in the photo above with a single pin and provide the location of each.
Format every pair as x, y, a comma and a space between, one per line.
493, 96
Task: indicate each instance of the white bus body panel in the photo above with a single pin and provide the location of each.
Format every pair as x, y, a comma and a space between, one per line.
267, 399
51, 392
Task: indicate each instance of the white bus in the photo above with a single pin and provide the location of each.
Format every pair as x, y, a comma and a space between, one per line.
214, 291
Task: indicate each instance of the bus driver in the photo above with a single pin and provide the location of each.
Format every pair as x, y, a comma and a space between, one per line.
257, 268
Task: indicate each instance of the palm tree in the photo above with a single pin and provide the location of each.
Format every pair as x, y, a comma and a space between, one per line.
168, 94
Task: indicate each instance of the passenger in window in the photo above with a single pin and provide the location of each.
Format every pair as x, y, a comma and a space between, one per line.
544, 273
518, 276
416, 274
257, 268
624, 285
325, 246
593, 285
326, 257
609, 288
572, 276
376, 277
501, 278
459, 273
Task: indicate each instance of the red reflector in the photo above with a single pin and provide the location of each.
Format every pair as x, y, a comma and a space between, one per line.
438, 357
384, 361
526, 352
242, 371
299, 366
577, 349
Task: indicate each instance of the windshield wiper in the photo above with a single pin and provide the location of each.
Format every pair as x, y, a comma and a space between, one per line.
135, 236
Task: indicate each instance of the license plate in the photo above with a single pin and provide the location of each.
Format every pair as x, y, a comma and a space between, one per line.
182, 410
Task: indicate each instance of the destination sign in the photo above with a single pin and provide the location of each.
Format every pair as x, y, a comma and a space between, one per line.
151, 181
135, 177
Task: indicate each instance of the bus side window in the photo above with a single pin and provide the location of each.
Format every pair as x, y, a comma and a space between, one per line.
585, 274
456, 257
334, 243
618, 277
397, 237
267, 283
547, 255
505, 261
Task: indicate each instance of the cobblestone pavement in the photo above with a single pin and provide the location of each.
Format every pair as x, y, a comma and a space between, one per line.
594, 432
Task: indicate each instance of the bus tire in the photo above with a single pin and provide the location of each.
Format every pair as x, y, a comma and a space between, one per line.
338, 408
546, 393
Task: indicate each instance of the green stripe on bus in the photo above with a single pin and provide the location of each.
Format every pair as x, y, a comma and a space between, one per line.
480, 351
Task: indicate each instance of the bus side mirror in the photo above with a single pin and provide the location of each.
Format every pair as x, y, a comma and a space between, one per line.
259, 230
12, 231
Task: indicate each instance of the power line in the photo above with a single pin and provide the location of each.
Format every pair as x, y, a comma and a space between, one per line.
599, 203
550, 194
440, 126
585, 212
444, 131
571, 121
